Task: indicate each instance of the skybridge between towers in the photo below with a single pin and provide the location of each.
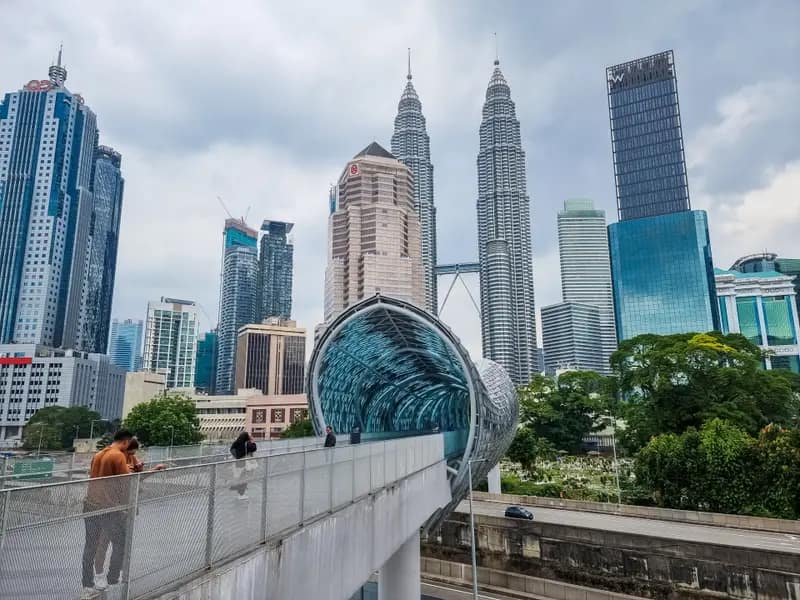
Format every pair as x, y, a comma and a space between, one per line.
315, 522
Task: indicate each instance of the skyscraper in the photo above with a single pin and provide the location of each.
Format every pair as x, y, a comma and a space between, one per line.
48, 145
767, 261
585, 283
125, 344
238, 296
661, 260
411, 145
508, 319
205, 366
170, 341
373, 234
107, 187
271, 357
275, 270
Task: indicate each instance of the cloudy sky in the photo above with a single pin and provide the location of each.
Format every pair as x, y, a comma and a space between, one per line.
262, 103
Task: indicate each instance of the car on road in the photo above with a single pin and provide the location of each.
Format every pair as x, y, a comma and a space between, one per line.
517, 512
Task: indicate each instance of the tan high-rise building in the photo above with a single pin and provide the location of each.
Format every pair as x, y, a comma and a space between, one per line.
271, 357
373, 234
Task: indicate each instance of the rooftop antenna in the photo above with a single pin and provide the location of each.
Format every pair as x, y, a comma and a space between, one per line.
60, 49
496, 52
409, 65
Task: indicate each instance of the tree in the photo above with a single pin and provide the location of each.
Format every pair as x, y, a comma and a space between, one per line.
299, 429
778, 474
165, 420
564, 410
69, 423
41, 435
527, 448
670, 383
710, 469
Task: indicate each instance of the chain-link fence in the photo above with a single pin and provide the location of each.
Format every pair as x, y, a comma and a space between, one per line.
148, 531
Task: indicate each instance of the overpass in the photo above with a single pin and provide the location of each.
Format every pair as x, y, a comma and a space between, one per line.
426, 414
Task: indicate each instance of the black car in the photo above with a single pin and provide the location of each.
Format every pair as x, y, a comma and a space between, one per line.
517, 512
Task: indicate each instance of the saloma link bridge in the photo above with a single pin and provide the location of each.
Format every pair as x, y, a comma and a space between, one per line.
313, 523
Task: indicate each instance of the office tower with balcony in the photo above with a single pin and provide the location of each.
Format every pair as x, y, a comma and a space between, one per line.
275, 270
205, 365
411, 145
49, 169
238, 296
373, 234
170, 341
661, 260
508, 318
101, 266
769, 261
271, 357
571, 337
125, 344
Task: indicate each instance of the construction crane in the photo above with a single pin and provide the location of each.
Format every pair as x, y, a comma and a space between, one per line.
243, 219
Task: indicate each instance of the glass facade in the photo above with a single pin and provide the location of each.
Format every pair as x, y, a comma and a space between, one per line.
723, 316
646, 137
205, 368
749, 318
125, 344
778, 317
275, 270
663, 275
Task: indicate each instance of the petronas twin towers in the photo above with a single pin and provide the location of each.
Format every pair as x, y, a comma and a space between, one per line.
508, 319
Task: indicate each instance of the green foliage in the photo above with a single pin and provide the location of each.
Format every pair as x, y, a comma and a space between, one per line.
299, 429
65, 421
720, 468
674, 382
165, 420
49, 436
105, 441
556, 413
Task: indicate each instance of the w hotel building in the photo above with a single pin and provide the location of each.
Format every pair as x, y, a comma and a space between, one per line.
662, 271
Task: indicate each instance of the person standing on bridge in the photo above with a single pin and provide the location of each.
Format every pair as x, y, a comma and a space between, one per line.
106, 490
330, 438
242, 447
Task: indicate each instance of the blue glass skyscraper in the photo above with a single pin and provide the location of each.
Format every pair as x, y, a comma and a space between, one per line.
661, 261
205, 365
48, 144
107, 187
275, 270
238, 296
125, 344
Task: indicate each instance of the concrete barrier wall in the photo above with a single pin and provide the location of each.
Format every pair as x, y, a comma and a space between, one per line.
503, 581
649, 512
625, 563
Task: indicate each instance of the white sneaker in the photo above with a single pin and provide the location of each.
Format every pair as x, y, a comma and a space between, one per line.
244, 497
100, 582
89, 593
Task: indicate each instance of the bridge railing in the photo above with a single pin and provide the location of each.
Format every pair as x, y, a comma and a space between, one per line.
172, 525
33, 470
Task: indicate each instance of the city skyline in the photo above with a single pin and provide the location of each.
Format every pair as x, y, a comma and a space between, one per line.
560, 100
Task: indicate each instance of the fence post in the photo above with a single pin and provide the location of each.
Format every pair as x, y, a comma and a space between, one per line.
302, 487
5, 500
71, 466
264, 504
133, 507
330, 479
353, 471
4, 473
210, 518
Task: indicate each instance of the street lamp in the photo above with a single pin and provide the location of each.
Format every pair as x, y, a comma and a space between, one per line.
171, 439
39, 447
472, 530
91, 429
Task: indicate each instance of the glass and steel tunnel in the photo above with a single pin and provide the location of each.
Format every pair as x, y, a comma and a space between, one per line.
391, 369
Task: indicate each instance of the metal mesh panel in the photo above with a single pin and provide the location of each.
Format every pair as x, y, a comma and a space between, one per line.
238, 507
343, 486
284, 491
362, 479
317, 486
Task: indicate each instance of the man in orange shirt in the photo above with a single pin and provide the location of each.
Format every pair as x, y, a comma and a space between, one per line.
107, 489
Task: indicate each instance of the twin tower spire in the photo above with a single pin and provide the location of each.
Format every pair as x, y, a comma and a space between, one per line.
508, 318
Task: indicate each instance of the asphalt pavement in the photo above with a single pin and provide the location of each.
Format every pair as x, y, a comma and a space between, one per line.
671, 530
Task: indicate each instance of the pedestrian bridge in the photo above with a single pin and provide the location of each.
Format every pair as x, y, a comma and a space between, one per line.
314, 522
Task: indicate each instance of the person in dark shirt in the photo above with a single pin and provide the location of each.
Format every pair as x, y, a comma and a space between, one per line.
330, 438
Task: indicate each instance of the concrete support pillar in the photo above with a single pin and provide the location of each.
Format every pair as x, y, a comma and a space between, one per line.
399, 578
494, 480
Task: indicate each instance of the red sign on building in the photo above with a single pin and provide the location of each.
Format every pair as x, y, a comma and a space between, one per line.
16, 360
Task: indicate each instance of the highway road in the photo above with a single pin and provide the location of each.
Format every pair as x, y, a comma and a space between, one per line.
670, 530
